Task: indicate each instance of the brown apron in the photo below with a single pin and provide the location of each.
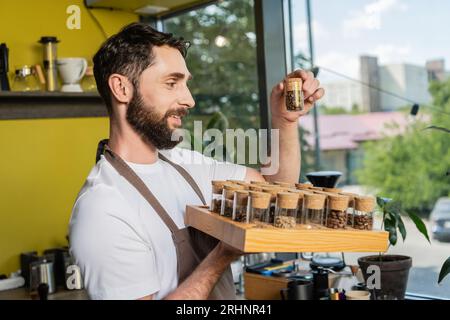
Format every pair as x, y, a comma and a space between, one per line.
192, 246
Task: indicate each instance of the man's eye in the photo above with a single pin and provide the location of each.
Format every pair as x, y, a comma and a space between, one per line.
171, 84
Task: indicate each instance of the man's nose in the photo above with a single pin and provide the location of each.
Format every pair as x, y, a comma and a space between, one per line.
187, 99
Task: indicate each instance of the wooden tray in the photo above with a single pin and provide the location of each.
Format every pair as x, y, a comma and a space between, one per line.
252, 239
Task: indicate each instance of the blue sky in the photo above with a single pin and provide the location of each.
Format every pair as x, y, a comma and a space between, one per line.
410, 31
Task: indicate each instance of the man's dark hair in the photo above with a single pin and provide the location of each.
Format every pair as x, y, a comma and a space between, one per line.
129, 53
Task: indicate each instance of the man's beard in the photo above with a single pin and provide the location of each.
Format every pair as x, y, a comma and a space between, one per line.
150, 125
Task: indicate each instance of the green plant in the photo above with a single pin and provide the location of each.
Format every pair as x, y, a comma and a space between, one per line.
393, 222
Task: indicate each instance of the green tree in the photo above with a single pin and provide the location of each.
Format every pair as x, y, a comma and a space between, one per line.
412, 167
222, 59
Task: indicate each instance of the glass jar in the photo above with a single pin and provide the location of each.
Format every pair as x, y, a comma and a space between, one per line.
294, 94
337, 212
363, 214
314, 209
286, 210
25, 79
273, 191
240, 206
226, 209
301, 199
88, 82
351, 207
259, 207
216, 199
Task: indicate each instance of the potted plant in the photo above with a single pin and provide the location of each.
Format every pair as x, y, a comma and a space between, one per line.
394, 269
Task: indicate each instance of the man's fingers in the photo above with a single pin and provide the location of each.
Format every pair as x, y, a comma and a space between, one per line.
317, 95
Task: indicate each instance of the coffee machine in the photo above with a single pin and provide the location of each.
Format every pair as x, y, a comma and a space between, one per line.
4, 67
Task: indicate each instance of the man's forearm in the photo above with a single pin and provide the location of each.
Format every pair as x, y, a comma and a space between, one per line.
200, 283
289, 152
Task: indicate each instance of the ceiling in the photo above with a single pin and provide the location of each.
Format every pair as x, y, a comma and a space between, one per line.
148, 7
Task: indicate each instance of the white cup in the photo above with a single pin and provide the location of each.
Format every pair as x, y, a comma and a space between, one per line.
357, 295
71, 71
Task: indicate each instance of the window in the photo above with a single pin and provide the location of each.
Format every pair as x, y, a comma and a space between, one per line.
376, 59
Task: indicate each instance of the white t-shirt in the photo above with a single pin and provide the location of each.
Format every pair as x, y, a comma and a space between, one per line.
123, 248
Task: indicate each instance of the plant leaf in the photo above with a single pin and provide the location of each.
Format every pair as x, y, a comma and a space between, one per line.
445, 270
390, 226
401, 228
420, 225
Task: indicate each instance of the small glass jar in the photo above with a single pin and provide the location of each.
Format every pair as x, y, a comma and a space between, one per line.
351, 207
363, 214
286, 210
301, 199
314, 209
226, 209
337, 212
240, 206
259, 207
294, 94
216, 199
273, 190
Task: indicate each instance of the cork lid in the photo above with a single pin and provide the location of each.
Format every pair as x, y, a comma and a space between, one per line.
229, 190
332, 190
273, 190
294, 84
315, 201
303, 185
259, 200
284, 184
217, 186
241, 197
260, 182
351, 198
338, 202
300, 193
365, 204
255, 187
236, 181
287, 200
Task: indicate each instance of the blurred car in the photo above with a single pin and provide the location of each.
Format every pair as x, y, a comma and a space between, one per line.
440, 220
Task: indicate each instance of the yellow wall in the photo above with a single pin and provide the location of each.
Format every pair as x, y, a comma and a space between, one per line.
43, 163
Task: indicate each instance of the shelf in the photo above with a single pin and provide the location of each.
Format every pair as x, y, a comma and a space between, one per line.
252, 239
38, 104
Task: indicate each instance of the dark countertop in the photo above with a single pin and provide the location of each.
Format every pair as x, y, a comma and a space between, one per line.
60, 294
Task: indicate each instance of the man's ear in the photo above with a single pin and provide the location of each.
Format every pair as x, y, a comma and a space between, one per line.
121, 88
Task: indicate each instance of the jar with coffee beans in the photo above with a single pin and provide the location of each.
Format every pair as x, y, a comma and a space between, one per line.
294, 94
216, 199
286, 210
337, 212
259, 207
363, 214
228, 198
240, 206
